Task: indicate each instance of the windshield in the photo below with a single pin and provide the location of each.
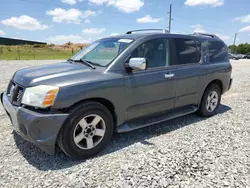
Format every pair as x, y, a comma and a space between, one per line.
103, 52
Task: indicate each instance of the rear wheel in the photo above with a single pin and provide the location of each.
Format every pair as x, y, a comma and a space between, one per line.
210, 101
87, 131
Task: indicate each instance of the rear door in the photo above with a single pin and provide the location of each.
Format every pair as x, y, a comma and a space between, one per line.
190, 75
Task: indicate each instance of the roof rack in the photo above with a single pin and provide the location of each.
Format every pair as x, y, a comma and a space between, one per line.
160, 30
205, 34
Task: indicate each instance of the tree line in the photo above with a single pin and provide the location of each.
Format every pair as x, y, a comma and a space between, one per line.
240, 49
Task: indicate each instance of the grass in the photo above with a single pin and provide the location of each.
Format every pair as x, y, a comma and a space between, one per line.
29, 52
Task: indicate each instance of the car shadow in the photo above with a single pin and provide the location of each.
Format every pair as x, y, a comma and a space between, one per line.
45, 162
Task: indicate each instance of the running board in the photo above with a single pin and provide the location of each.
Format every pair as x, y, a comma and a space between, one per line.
154, 119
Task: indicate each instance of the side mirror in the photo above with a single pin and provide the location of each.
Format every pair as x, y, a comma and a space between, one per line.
137, 63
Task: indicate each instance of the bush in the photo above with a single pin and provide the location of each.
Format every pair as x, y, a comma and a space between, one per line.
51, 45
39, 45
69, 43
9, 49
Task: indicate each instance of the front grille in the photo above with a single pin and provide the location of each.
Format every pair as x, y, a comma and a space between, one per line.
15, 93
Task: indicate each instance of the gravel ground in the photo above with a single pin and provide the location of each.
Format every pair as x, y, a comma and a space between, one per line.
185, 152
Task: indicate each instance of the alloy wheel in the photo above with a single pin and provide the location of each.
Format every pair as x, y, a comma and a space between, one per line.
212, 101
89, 131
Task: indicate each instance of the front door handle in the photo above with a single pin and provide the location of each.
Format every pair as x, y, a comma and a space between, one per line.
169, 75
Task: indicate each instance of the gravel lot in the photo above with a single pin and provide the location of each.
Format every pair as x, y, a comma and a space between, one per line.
185, 152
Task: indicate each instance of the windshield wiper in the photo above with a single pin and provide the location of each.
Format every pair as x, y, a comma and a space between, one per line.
70, 60
85, 62
92, 63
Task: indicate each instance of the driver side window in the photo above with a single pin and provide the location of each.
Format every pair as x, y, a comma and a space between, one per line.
155, 51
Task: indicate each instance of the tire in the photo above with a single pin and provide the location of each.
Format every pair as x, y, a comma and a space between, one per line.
208, 112
80, 125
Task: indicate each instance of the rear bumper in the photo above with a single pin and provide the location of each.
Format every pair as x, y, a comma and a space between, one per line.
38, 128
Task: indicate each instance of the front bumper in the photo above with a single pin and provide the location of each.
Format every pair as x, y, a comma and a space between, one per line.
230, 84
39, 128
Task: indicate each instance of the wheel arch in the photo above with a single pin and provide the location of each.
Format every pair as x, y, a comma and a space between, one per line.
217, 82
107, 103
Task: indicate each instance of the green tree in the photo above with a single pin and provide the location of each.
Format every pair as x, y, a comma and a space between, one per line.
69, 43
233, 48
240, 49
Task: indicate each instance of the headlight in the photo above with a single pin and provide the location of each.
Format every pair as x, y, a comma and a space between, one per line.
40, 96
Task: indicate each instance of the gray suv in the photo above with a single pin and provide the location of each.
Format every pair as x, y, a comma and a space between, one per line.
117, 84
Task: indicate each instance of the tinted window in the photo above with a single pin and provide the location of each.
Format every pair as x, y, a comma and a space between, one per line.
155, 51
217, 51
187, 51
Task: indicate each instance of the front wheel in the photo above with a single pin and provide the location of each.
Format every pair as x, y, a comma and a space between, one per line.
210, 101
87, 131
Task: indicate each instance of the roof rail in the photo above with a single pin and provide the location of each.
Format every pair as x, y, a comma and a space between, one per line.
205, 34
134, 31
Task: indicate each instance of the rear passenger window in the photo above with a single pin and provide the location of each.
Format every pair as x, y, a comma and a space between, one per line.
217, 51
187, 51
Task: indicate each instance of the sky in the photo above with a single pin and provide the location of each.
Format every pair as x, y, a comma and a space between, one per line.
84, 21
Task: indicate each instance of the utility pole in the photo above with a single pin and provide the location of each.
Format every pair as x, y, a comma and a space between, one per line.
170, 18
235, 36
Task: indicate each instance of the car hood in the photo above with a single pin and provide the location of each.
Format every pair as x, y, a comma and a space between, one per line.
54, 74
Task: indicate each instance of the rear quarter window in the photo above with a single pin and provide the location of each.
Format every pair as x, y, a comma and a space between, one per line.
217, 51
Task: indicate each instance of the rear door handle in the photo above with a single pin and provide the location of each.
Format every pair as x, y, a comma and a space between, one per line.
169, 75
